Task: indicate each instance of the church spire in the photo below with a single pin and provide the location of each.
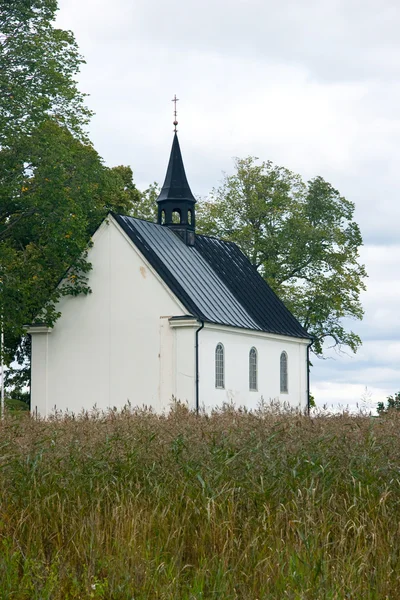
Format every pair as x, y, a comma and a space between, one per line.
176, 201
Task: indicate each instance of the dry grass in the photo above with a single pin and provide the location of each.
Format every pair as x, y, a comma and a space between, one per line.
247, 506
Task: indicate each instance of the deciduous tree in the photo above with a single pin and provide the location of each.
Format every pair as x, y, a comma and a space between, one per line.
38, 67
54, 192
54, 188
392, 404
302, 238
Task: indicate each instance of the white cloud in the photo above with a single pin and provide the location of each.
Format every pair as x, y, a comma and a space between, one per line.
353, 397
337, 39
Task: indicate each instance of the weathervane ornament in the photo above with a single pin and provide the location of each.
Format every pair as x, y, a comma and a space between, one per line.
175, 100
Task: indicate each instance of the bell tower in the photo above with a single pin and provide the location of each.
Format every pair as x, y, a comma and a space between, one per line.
176, 202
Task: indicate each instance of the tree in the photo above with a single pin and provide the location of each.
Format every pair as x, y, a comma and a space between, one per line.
38, 65
54, 192
145, 206
54, 188
300, 236
393, 403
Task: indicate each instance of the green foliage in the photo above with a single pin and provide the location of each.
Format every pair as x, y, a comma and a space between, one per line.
146, 205
311, 401
54, 188
38, 66
301, 237
54, 192
40, 107
15, 404
125, 197
180, 507
392, 404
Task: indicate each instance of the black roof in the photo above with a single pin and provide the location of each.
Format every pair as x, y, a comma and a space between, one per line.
176, 185
213, 279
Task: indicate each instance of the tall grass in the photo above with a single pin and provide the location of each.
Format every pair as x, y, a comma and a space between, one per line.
247, 506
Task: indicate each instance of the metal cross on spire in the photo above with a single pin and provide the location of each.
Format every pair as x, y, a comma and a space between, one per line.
175, 100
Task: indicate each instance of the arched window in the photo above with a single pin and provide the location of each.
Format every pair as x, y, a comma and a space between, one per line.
219, 366
189, 217
253, 370
284, 373
162, 217
176, 216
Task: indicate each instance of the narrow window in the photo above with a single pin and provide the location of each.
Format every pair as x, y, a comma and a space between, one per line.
284, 373
189, 217
176, 216
163, 217
219, 366
253, 370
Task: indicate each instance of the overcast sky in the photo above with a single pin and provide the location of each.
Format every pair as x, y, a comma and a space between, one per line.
313, 85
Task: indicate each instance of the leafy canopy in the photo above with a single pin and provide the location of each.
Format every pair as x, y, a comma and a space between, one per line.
57, 195
38, 66
302, 239
392, 404
54, 187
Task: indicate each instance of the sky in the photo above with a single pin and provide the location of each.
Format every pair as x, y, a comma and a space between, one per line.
313, 85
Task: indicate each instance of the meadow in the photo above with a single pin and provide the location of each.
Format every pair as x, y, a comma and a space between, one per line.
228, 506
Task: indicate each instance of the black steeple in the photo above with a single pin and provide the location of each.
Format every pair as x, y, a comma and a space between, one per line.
176, 201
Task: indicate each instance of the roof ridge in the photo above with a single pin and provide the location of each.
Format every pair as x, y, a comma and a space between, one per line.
115, 214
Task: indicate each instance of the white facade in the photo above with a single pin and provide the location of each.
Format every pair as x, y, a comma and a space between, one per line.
119, 345
113, 345
237, 344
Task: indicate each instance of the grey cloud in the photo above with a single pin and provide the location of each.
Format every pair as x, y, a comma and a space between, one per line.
334, 41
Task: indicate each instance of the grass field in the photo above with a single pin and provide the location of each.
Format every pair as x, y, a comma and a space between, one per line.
236, 505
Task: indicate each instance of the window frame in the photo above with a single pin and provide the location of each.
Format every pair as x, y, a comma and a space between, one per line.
219, 363
253, 369
284, 375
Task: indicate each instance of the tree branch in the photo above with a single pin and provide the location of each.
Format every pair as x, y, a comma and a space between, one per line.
27, 213
296, 270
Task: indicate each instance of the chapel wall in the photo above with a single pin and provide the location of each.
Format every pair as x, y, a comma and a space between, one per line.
39, 373
105, 350
185, 366
237, 345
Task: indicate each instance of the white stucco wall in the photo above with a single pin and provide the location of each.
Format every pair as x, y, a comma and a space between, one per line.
237, 344
114, 345
185, 366
118, 344
39, 367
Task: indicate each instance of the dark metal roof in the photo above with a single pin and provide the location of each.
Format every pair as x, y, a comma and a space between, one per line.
248, 287
176, 185
213, 279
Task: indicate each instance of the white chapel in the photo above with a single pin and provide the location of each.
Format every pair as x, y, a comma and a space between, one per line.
172, 315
